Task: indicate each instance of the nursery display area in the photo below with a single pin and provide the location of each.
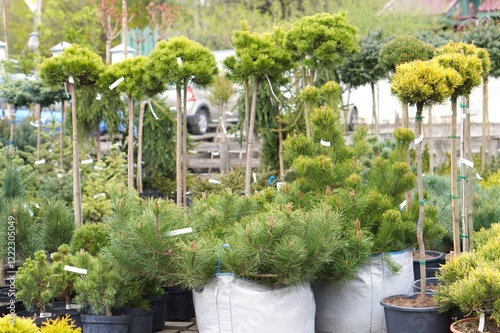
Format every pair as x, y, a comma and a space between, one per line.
338, 231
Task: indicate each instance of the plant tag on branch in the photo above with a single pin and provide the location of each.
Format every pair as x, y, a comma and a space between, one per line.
180, 231
34, 124
153, 111
325, 143
466, 162
419, 140
402, 205
71, 80
116, 83
60, 175
39, 162
98, 97
98, 167
255, 177
480, 327
75, 269
87, 161
179, 61
478, 176
99, 195
214, 181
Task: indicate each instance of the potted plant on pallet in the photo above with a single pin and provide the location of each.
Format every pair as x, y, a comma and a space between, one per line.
424, 83
469, 283
36, 287
99, 292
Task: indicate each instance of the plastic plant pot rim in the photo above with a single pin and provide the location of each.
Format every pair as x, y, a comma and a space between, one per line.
408, 309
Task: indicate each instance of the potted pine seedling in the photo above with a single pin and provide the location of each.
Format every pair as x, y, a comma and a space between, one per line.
36, 287
99, 292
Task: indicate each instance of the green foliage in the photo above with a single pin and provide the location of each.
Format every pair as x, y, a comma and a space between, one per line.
35, 285
12, 185
322, 39
486, 36
103, 289
424, 83
364, 67
404, 49
79, 62
57, 224
470, 281
112, 171
17, 325
65, 279
91, 237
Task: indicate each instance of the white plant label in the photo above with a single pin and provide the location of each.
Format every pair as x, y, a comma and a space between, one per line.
37, 206
98, 167
39, 162
179, 61
87, 161
279, 185
325, 143
215, 153
98, 97
152, 111
116, 83
480, 327
466, 162
214, 181
60, 175
75, 269
255, 177
34, 124
180, 231
71, 79
419, 140
478, 176
402, 205
99, 195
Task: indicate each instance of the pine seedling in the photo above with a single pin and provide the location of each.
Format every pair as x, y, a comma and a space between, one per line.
57, 224
12, 186
65, 279
36, 286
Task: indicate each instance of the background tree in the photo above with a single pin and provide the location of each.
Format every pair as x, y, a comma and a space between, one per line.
470, 62
422, 83
261, 57
14, 92
319, 42
486, 37
110, 21
135, 85
77, 67
364, 68
182, 62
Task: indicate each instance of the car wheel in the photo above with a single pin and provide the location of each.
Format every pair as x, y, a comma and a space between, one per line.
200, 125
353, 119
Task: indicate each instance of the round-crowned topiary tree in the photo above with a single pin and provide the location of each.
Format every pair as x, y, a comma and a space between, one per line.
77, 67
423, 83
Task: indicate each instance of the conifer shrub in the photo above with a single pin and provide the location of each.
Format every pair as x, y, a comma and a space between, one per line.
91, 237
60, 325
15, 324
36, 286
57, 224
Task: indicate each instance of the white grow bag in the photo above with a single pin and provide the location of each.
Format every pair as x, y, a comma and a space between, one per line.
355, 306
232, 305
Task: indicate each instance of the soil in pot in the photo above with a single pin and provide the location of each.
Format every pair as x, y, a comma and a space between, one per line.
469, 325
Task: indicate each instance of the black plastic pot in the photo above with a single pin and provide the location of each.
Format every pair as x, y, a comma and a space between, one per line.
434, 262
160, 307
429, 281
104, 324
74, 314
180, 304
400, 319
141, 321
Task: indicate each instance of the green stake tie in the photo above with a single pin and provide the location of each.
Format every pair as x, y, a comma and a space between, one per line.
464, 236
422, 262
453, 196
462, 177
452, 136
463, 106
419, 118
421, 202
